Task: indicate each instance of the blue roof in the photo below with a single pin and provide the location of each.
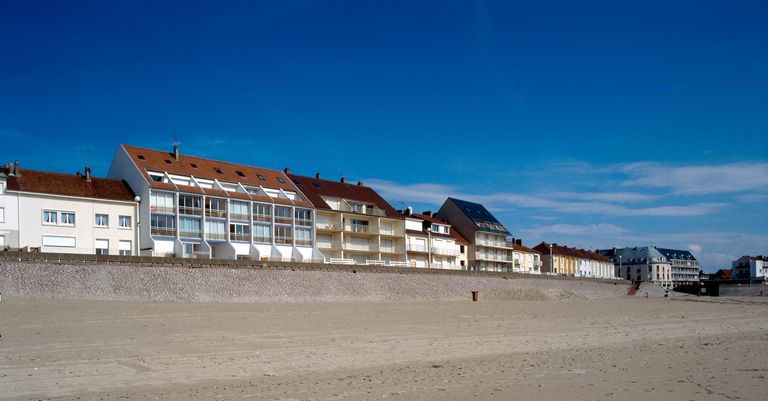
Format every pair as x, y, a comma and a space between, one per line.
676, 254
479, 214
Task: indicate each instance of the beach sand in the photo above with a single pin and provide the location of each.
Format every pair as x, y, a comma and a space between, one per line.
620, 349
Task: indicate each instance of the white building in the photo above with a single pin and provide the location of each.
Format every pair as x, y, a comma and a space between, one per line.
641, 264
64, 213
196, 207
750, 267
432, 243
525, 260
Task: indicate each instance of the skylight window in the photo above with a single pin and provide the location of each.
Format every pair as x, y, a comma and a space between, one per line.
240, 173
167, 161
281, 180
218, 170
141, 157
261, 177
193, 165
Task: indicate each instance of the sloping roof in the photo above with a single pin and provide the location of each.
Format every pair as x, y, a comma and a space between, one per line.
479, 214
315, 189
524, 248
433, 220
634, 255
70, 185
156, 160
573, 252
676, 254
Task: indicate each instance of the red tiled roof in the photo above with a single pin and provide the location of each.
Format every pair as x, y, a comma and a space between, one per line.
525, 249
354, 192
566, 251
70, 185
430, 219
156, 160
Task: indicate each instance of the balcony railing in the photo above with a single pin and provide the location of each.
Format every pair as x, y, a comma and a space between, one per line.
240, 237
239, 216
163, 209
494, 258
329, 245
190, 234
284, 240
303, 222
359, 228
167, 232
495, 244
417, 248
363, 210
262, 239
283, 220
390, 249
328, 227
216, 213
216, 236
190, 210
262, 218
445, 251
358, 247
303, 242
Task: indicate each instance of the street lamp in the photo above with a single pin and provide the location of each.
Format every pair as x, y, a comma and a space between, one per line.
551, 260
621, 270
429, 247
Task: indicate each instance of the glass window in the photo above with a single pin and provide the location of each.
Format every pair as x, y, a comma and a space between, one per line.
262, 212
102, 246
239, 210
283, 215
262, 233
68, 218
283, 235
189, 204
303, 236
50, 217
102, 220
163, 225
190, 227
125, 248
124, 221
162, 202
215, 230
303, 217
239, 232
215, 207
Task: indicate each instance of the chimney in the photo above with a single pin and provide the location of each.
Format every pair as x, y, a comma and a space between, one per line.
317, 175
176, 151
16, 171
287, 170
519, 242
408, 211
343, 180
427, 213
359, 183
88, 174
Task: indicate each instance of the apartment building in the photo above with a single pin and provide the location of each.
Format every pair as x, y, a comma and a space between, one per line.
752, 267
641, 264
432, 243
567, 261
197, 207
66, 213
685, 267
490, 246
525, 260
354, 224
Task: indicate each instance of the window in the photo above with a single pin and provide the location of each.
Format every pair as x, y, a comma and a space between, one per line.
59, 241
303, 236
162, 202
125, 248
281, 180
124, 221
50, 217
215, 230
240, 173
262, 233
303, 217
102, 220
68, 218
359, 226
163, 225
261, 177
218, 170
239, 232
216, 208
193, 165
239, 210
262, 212
102, 246
167, 161
283, 215
190, 205
283, 235
461, 249
2, 215
141, 157
190, 227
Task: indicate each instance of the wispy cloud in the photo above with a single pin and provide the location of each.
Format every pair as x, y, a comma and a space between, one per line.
698, 179
437, 193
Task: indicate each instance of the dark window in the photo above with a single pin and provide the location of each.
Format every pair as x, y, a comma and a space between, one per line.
281, 179
193, 165
461, 249
218, 170
261, 177
141, 157
167, 161
240, 173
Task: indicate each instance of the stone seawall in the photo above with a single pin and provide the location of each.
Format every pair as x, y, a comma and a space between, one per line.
110, 281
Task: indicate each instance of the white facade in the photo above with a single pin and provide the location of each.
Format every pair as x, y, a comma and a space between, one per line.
9, 216
435, 249
750, 267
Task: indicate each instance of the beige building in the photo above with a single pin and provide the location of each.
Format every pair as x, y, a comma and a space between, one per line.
566, 261
526, 260
354, 224
66, 213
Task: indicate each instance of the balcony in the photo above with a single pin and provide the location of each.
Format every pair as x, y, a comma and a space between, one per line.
495, 244
163, 231
417, 248
240, 237
328, 227
360, 228
190, 234
390, 232
262, 218
163, 209
303, 242
371, 211
239, 216
396, 249
283, 220
495, 258
303, 222
216, 236
190, 210
358, 247
216, 213
445, 251
329, 245
284, 240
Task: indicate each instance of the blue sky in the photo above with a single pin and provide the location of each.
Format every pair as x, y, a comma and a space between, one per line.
592, 124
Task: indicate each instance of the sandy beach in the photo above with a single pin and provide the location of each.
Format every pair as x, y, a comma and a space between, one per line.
621, 349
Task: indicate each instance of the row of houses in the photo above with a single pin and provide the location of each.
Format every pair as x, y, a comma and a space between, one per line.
157, 203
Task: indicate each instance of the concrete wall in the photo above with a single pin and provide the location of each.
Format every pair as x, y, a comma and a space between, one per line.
109, 278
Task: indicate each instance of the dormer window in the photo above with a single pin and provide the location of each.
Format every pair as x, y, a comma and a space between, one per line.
167, 161
218, 170
261, 177
282, 181
240, 173
193, 165
141, 157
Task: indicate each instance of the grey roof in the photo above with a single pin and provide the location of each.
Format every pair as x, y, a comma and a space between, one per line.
479, 214
636, 255
676, 254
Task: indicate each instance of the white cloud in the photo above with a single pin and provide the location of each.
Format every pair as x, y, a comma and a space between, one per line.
694, 248
698, 179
